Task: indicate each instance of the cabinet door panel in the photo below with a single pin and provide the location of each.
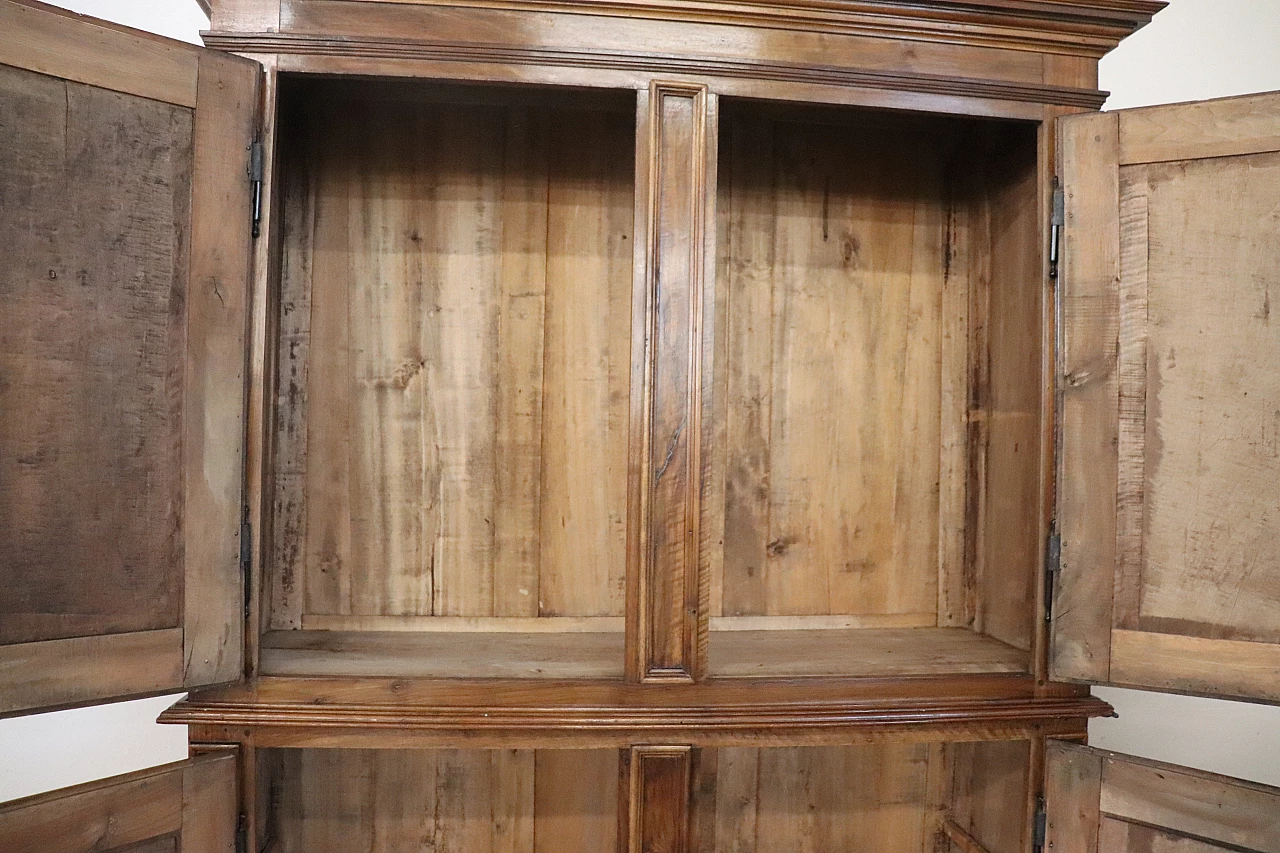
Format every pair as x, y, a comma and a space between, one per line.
124, 210
1099, 802
1170, 485
188, 806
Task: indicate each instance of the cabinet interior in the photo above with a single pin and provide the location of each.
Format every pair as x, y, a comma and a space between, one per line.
453, 371
878, 298
454, 366
894, 797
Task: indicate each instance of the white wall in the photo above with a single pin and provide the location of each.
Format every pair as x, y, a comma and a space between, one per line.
1194, 49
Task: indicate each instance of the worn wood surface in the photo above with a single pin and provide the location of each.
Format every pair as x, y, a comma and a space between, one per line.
124, 344
444, 654
1081, 640
1167, 581
834, 264
469, 801
453, 360
1112, 803
860, 652
654, 794
187, 806
61, 44
676, 133
215, 381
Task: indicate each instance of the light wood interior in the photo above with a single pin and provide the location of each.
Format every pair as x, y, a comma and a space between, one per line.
880, 305
890, 797
453, 366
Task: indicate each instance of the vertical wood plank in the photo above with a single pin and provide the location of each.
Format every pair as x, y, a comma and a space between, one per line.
673, 153
519, 378
1073, 785
214, 396
587, 361
656, 790
210, 805
1081, 641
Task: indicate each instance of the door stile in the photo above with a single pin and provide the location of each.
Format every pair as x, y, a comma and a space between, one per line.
260, 409
215, 384
1089, 400
673, 296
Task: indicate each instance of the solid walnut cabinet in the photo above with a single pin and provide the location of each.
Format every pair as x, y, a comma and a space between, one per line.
649, 427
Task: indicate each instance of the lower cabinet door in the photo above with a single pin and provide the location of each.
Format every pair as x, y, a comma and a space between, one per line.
188, 806
1104, 802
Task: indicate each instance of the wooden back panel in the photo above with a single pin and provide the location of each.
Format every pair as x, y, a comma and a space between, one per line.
455, 351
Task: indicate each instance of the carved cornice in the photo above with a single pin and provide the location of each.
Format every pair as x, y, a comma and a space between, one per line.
1054, 26
378, 48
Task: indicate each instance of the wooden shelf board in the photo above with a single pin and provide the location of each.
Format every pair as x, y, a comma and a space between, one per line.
507, 654
860, 652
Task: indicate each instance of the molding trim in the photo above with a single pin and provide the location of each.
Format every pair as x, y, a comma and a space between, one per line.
296, 710
1050, 26
830, 75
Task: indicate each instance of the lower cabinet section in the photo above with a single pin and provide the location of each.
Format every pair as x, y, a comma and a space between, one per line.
886, 798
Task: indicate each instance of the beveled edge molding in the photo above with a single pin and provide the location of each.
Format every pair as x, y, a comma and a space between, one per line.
663, 551
475, 52
1087, 29
770, 719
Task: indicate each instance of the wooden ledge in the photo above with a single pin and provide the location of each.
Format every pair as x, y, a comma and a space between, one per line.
297, 712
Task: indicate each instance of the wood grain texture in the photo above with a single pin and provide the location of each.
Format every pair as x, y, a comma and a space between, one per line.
989, 785
188, 806
1190, 664
1223, 127
444, 654
1224, 811
74, 47
460, 282
1073, 784
861, 652
655, 789
834, 268
1081, 640
675, 147
807, 799
215, 381
468, 801
1070, 29
1211, 460
76, 670
93, 345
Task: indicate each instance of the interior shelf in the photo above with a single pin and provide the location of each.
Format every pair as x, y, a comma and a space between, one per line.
860, 652
441, 654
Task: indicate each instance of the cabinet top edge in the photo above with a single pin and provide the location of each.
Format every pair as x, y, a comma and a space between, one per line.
1070, 27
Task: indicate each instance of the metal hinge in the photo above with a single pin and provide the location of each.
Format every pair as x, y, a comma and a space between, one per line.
1040, 829
1057, 219
242, 834
255, 184
246, 557
1052, 564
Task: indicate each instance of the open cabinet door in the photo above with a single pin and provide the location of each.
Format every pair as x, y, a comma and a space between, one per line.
125, 226
1169, 501
1101, 802
188, 806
